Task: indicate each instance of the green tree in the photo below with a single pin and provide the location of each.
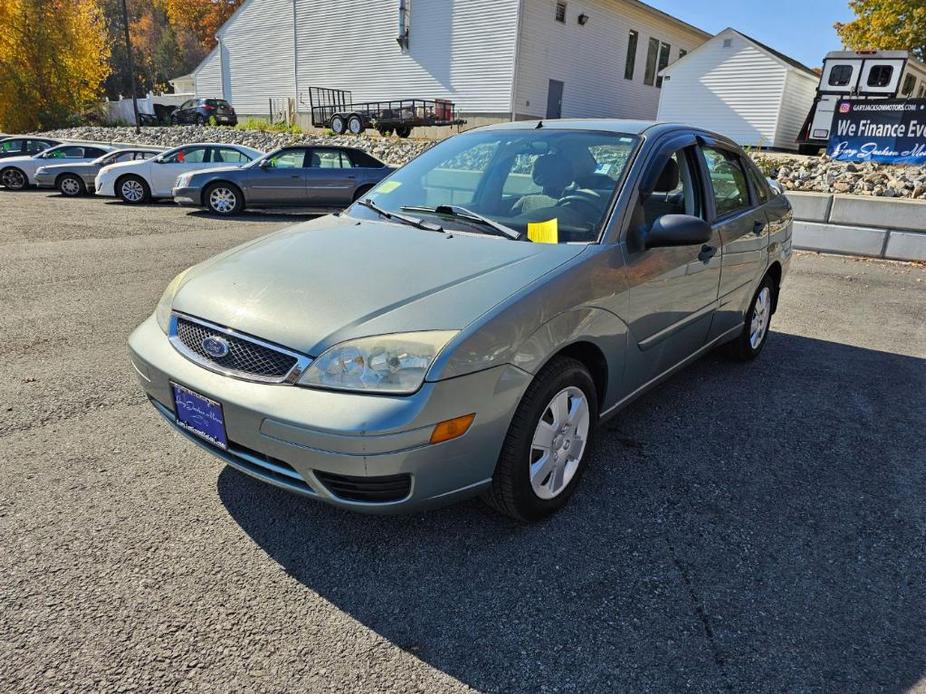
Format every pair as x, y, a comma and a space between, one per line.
54, 57
886, 25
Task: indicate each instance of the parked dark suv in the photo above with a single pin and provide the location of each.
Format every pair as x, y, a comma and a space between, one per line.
200, 111
24, 146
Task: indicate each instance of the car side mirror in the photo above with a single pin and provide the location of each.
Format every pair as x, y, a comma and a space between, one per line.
678, 230
263, 163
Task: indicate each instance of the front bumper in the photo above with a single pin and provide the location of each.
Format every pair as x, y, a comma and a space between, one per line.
188, 197
105, 187
301, 438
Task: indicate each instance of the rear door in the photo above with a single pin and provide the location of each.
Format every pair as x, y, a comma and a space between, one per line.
330, 178
281, 181
743, 227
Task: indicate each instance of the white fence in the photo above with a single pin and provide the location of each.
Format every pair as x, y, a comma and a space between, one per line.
121, 111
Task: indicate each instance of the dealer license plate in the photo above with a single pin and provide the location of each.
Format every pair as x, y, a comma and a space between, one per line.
200, 415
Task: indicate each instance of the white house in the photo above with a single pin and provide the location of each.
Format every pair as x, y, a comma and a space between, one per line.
495, 59
741, 88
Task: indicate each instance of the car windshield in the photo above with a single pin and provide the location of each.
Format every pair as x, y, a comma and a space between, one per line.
546, 184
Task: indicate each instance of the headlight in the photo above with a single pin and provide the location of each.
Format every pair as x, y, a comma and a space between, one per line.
383, 364
162, 312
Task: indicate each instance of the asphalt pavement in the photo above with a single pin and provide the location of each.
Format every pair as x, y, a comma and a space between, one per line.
742, 528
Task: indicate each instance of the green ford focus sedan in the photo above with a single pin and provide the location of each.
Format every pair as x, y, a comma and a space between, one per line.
465, 327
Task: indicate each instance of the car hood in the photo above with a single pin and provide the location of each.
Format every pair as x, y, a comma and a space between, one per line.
134, 164
337, 278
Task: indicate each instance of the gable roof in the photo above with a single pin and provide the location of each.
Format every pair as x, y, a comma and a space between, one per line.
777, 55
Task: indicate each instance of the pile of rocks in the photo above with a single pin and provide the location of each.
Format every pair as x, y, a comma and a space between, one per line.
823, 175
818, 174
391, 150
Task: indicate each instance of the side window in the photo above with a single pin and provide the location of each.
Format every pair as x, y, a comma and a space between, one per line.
67, 153
361, 158
728, 179
840, 75
676, 190
329, 159
14, 146
145, 155
520, 180
122, 156
93, 152
36, 146
759, 184
287, 159
229, 155
187, 155
880, 75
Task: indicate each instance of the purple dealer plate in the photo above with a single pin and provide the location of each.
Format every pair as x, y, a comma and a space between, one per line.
200, 415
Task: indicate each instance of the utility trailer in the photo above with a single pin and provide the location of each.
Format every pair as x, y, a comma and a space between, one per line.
335, 109
859, 76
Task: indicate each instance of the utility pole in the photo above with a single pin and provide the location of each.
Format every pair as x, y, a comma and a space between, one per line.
128, 52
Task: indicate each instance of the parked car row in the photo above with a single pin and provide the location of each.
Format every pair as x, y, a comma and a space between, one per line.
223, 178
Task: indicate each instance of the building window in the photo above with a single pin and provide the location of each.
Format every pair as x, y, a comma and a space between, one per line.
909, 84
652, 55
561, 12
840, 75
880, 75
631, 54
664, 51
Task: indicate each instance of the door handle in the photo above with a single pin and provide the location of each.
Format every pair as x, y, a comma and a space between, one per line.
707, 252
758, 228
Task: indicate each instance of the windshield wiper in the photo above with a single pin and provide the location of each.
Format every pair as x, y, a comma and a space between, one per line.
410, 221
462, 213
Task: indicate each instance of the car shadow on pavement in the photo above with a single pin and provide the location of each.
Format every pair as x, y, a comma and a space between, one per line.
754, 527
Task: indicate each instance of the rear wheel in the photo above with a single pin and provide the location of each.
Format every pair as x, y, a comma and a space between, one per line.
337, 124
13, 178
403, 130
224, 199
133, 190
543, 456
756, 324
355, 125
71, 186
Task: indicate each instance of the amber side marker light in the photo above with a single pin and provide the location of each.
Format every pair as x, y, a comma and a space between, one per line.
452, 428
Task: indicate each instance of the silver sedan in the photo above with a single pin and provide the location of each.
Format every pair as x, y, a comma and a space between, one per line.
465, 327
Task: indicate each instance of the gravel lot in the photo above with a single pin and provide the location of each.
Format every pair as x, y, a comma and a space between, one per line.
742, 528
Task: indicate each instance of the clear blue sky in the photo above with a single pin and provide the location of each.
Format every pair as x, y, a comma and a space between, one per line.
802, 29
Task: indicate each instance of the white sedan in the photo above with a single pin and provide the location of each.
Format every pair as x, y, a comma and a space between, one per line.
18, 172
139, 181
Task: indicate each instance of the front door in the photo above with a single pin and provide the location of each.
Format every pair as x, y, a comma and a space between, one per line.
743, 228
673, 291
330, 179
280, 180
164, 173
555, 99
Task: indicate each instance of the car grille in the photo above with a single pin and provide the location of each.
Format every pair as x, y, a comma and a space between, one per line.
369, 489
244, 356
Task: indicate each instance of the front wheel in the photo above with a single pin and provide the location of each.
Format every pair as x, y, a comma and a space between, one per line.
13, 179
543, 456
223, 199
133, 190
337, 125
71, 186
752, 339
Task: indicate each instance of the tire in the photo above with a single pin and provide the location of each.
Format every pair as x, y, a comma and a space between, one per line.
386, 132
200, 119
71, 186
12, 178
355, 125
749, 343
403, 130
337, 124
361, 191
133, 190
223, 199
530, 484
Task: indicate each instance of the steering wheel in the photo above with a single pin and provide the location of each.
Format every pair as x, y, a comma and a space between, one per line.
581, 197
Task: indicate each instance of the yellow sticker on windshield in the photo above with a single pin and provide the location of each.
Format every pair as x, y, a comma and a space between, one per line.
387, 186
544, 232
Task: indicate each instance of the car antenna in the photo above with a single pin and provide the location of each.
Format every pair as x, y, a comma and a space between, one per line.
539, 125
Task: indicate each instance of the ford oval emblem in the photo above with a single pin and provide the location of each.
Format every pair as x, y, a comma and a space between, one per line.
215, 347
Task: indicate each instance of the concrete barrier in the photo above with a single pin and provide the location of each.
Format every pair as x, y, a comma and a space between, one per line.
858, 225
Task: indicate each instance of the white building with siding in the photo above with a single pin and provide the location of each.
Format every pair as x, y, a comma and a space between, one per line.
495, 59
741, 88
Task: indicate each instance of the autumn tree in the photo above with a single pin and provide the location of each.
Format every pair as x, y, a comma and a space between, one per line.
53, 60
203, 17
886, 25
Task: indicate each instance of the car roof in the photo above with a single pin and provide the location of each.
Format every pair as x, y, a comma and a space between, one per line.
620, 126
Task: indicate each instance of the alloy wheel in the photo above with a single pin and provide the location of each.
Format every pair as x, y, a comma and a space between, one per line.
70, 186
761, 313
14, 179
132, 190
559, 442
223, 200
